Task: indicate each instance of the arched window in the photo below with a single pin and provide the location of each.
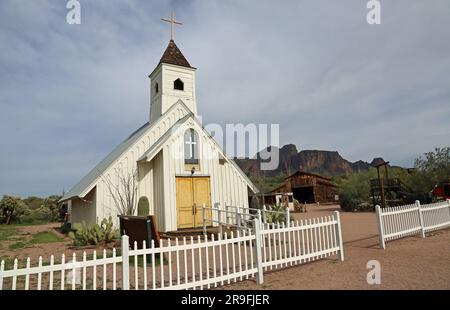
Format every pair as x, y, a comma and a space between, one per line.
156, 88
190, 147
178, 84
143, 206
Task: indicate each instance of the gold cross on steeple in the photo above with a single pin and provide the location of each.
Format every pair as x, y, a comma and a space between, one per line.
172, 22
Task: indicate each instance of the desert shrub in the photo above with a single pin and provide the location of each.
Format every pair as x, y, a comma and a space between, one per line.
94, 234
34, 202
279, 216
30, 210
65, 228
41, 210
299, 207
12, 208
354, 190
39, 215
429, 170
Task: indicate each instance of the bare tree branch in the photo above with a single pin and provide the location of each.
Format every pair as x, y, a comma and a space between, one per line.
124, 193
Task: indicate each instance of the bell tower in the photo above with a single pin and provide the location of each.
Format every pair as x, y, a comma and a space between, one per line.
173, 79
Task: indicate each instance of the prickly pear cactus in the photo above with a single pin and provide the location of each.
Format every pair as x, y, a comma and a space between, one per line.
94, 234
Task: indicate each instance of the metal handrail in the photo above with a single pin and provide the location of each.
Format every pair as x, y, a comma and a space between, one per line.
239, 216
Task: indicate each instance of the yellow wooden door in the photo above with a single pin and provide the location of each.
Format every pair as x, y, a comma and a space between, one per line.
202, 195
192, 193
185, 203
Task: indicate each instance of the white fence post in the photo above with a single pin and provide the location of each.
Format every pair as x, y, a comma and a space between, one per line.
125, 247
380, 226
204, 219
2, 268
238, 218
448, 204
258, 256
260, 223
219, 210
227, 218
422, 225
287, 217
339, 236
264, 217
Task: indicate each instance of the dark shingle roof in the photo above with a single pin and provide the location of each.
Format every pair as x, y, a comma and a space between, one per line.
173, 56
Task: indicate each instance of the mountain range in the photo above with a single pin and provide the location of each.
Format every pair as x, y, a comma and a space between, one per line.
327, 163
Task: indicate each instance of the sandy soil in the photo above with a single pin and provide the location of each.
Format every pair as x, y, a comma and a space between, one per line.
45, 250
410, 263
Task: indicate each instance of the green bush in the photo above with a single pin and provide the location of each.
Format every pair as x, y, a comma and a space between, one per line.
65, 228
30, 210
12, 208
354, 190
429, 170
279, 216
94, 234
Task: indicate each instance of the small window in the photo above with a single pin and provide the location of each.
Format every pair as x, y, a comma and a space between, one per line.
178, 84
190, 147
156, 88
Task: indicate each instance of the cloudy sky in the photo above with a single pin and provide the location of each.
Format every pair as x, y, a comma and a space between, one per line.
70, 93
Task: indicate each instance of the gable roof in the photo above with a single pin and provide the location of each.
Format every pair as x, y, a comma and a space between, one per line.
89, 181
85, 183
173, 56
156, 147
300, 172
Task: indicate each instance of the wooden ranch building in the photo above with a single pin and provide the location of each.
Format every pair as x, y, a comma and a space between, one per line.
309, 188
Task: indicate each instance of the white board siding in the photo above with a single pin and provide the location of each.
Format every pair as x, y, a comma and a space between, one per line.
127, 162
84, 210
145, 186
158, 176
166, 97
158, 190
236, 193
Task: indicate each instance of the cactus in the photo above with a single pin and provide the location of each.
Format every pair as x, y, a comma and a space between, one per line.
94, 234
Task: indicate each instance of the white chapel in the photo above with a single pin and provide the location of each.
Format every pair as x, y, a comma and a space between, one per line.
178, 165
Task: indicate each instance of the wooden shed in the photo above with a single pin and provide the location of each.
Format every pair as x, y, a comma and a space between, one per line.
309, 188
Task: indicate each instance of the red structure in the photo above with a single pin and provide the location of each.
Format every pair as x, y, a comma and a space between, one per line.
442, 190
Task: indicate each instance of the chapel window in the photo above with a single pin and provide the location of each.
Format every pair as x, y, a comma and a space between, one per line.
190, 147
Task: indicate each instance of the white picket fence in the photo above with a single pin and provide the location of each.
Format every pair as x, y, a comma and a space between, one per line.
196, 263
302, 241
398, 222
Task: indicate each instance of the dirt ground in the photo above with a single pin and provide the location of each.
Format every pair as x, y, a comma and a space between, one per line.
45, 249
410, 263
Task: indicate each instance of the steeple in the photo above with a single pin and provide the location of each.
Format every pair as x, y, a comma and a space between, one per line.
173, 56
173, 79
